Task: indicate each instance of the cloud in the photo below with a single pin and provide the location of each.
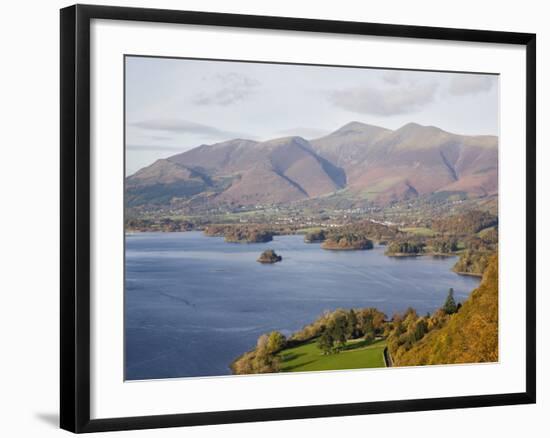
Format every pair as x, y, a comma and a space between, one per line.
393, 77
385, 102
230, 88
181, 126
462, 85
159, 137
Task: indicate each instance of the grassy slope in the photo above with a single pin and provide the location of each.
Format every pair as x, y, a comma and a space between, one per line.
308, 357
471, 335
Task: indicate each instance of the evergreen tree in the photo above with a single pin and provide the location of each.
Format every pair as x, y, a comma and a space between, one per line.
420, 329
450, 306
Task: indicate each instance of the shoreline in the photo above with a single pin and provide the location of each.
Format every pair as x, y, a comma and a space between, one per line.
468, 274
395, 255
345, 249
430, 254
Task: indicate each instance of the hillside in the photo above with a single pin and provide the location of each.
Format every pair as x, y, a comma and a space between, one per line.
414, 160
470, 336
358, 161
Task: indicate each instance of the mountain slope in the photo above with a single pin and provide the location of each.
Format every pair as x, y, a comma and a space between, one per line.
350, 144
471, 335
162, 181
228, 155
243, 172
162, 172
363, 161
414, 160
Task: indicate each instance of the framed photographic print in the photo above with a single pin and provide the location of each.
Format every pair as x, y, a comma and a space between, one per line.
269, 218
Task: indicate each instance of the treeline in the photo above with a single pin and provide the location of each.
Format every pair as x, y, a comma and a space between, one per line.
240, 233
316, 236
416, 245
360, 235
443, 245
411, 246
371, 230
470, 222
406, 329
347, 240
341, 326
164, 225
469, 336
477, 254
488, 241
248, 235
332, 330
215, 230
472, 262
263, 359
454, 240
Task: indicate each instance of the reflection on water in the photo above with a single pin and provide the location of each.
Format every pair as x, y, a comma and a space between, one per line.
194, 303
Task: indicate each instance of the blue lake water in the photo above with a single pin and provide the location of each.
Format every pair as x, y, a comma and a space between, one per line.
194, 303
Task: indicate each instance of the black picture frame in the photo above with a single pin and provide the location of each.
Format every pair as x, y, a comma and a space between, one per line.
75, 217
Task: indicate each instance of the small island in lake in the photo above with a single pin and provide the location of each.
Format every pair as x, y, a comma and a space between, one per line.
316, 236
346, 241
269, 256
240, 234
405, 248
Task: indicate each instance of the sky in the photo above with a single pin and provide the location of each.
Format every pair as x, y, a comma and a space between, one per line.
173, 105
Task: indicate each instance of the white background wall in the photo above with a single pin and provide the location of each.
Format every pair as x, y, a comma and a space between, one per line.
29, 200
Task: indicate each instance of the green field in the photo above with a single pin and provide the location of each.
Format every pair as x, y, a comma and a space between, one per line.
356, 354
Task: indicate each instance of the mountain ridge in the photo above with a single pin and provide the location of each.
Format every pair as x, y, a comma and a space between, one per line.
367, 162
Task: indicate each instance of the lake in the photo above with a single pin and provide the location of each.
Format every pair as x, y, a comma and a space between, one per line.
194, 303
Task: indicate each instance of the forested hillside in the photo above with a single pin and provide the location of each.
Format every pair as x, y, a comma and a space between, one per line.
469, 336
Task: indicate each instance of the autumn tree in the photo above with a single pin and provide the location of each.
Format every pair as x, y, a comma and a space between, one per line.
275, 342
264, 361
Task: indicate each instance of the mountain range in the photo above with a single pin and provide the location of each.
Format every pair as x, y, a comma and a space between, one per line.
359, 161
